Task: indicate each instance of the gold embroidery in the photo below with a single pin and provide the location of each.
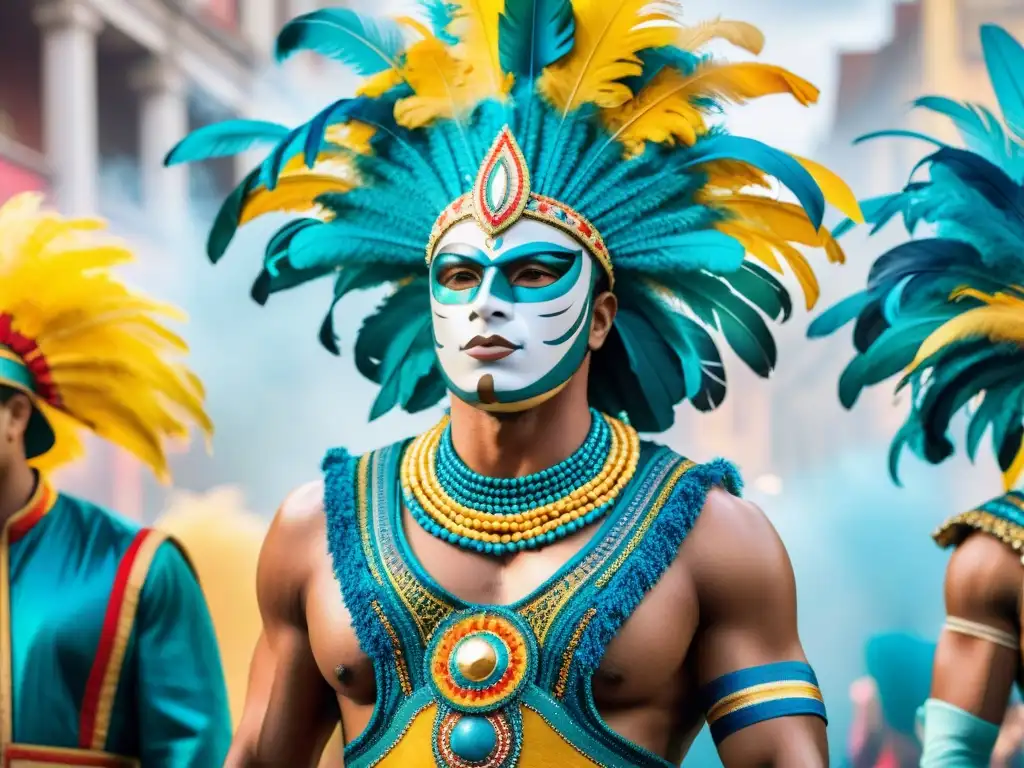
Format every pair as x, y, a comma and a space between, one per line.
362, 507
544, 609
400, 667
634, 542
570, 651
427, 611
952, 531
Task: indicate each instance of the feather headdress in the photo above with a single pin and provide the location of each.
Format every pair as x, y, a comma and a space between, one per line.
943, 310
91, 353
607, 103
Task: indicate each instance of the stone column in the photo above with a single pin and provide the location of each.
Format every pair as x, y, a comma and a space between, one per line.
163, 121
70, 125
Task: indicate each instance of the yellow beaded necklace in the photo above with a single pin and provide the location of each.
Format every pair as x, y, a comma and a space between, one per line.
496, 532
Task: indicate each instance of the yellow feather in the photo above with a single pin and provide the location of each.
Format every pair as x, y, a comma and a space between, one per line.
734, 176
609, 33
739, 33
475, 24
354, 136
296, 192
377, 85
439, 81
117, 370
664, 111
1001, 319
1012, 475
835, 190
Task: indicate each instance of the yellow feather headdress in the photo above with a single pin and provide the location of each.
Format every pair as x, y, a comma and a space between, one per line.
90, 352
595, 116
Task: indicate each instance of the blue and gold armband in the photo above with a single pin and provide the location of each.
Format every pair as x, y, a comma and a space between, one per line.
750, 696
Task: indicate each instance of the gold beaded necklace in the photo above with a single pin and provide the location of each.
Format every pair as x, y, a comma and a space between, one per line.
510, 531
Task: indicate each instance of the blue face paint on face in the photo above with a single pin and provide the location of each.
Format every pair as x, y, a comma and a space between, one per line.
511, 318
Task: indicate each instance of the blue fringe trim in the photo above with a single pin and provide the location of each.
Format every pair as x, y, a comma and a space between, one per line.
646, 565
358, 588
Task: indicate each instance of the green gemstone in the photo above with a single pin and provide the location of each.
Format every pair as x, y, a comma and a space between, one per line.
473, 739
499, 185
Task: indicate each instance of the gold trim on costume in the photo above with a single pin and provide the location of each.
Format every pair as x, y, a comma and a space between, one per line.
125, 623
955, 530
43, 494
982, 632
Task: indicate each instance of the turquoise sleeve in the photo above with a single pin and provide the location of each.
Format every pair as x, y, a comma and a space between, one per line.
184, 717
954, 738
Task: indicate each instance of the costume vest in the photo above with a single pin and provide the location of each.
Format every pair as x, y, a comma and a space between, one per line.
72, 580
534, 706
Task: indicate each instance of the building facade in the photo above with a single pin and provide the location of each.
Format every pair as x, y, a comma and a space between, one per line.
94, 94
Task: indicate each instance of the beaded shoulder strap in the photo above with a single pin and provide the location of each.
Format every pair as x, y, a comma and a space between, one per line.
636, 555
1002, 517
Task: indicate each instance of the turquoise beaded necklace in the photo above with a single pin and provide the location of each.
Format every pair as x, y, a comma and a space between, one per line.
509, 498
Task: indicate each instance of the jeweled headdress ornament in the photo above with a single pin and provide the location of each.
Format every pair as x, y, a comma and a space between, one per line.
592, 116
90, 353
947, 311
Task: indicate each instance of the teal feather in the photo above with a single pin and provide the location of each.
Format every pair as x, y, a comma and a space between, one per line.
656, 60
871, 208
364, 44
1004, 58
838, 315
744, 329
289, 146
344, 243
984, 417
224, 139
360, 276
899, 134
772, 161
761, 288
277, 274
409, 357
441, 14
534, 34
686, 252
978, 127
654, 380
225, 224
891, 353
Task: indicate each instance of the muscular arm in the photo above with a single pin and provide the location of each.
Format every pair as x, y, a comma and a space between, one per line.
983, 582
289, 710
747, 599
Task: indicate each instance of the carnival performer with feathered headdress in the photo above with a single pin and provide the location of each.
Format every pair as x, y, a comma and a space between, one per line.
568, 239
947, 311
107, 653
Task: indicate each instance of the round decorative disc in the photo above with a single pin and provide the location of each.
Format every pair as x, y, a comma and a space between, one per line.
475, 741
479, 661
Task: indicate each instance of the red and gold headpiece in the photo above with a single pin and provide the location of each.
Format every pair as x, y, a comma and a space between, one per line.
502, 195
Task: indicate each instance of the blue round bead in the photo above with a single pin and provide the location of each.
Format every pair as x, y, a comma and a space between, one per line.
473, 739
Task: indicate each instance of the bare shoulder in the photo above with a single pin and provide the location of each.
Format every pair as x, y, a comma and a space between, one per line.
983, 579
289, 550
735, 556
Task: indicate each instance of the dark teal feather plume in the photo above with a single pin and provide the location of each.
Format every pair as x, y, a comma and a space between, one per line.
534, 34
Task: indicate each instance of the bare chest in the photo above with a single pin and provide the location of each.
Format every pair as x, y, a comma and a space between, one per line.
643, 665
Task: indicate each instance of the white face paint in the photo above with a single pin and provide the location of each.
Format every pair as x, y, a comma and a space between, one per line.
511, 315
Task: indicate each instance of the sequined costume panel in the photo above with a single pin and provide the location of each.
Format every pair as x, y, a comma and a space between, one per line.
1002, 517
463, 685
108, 649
